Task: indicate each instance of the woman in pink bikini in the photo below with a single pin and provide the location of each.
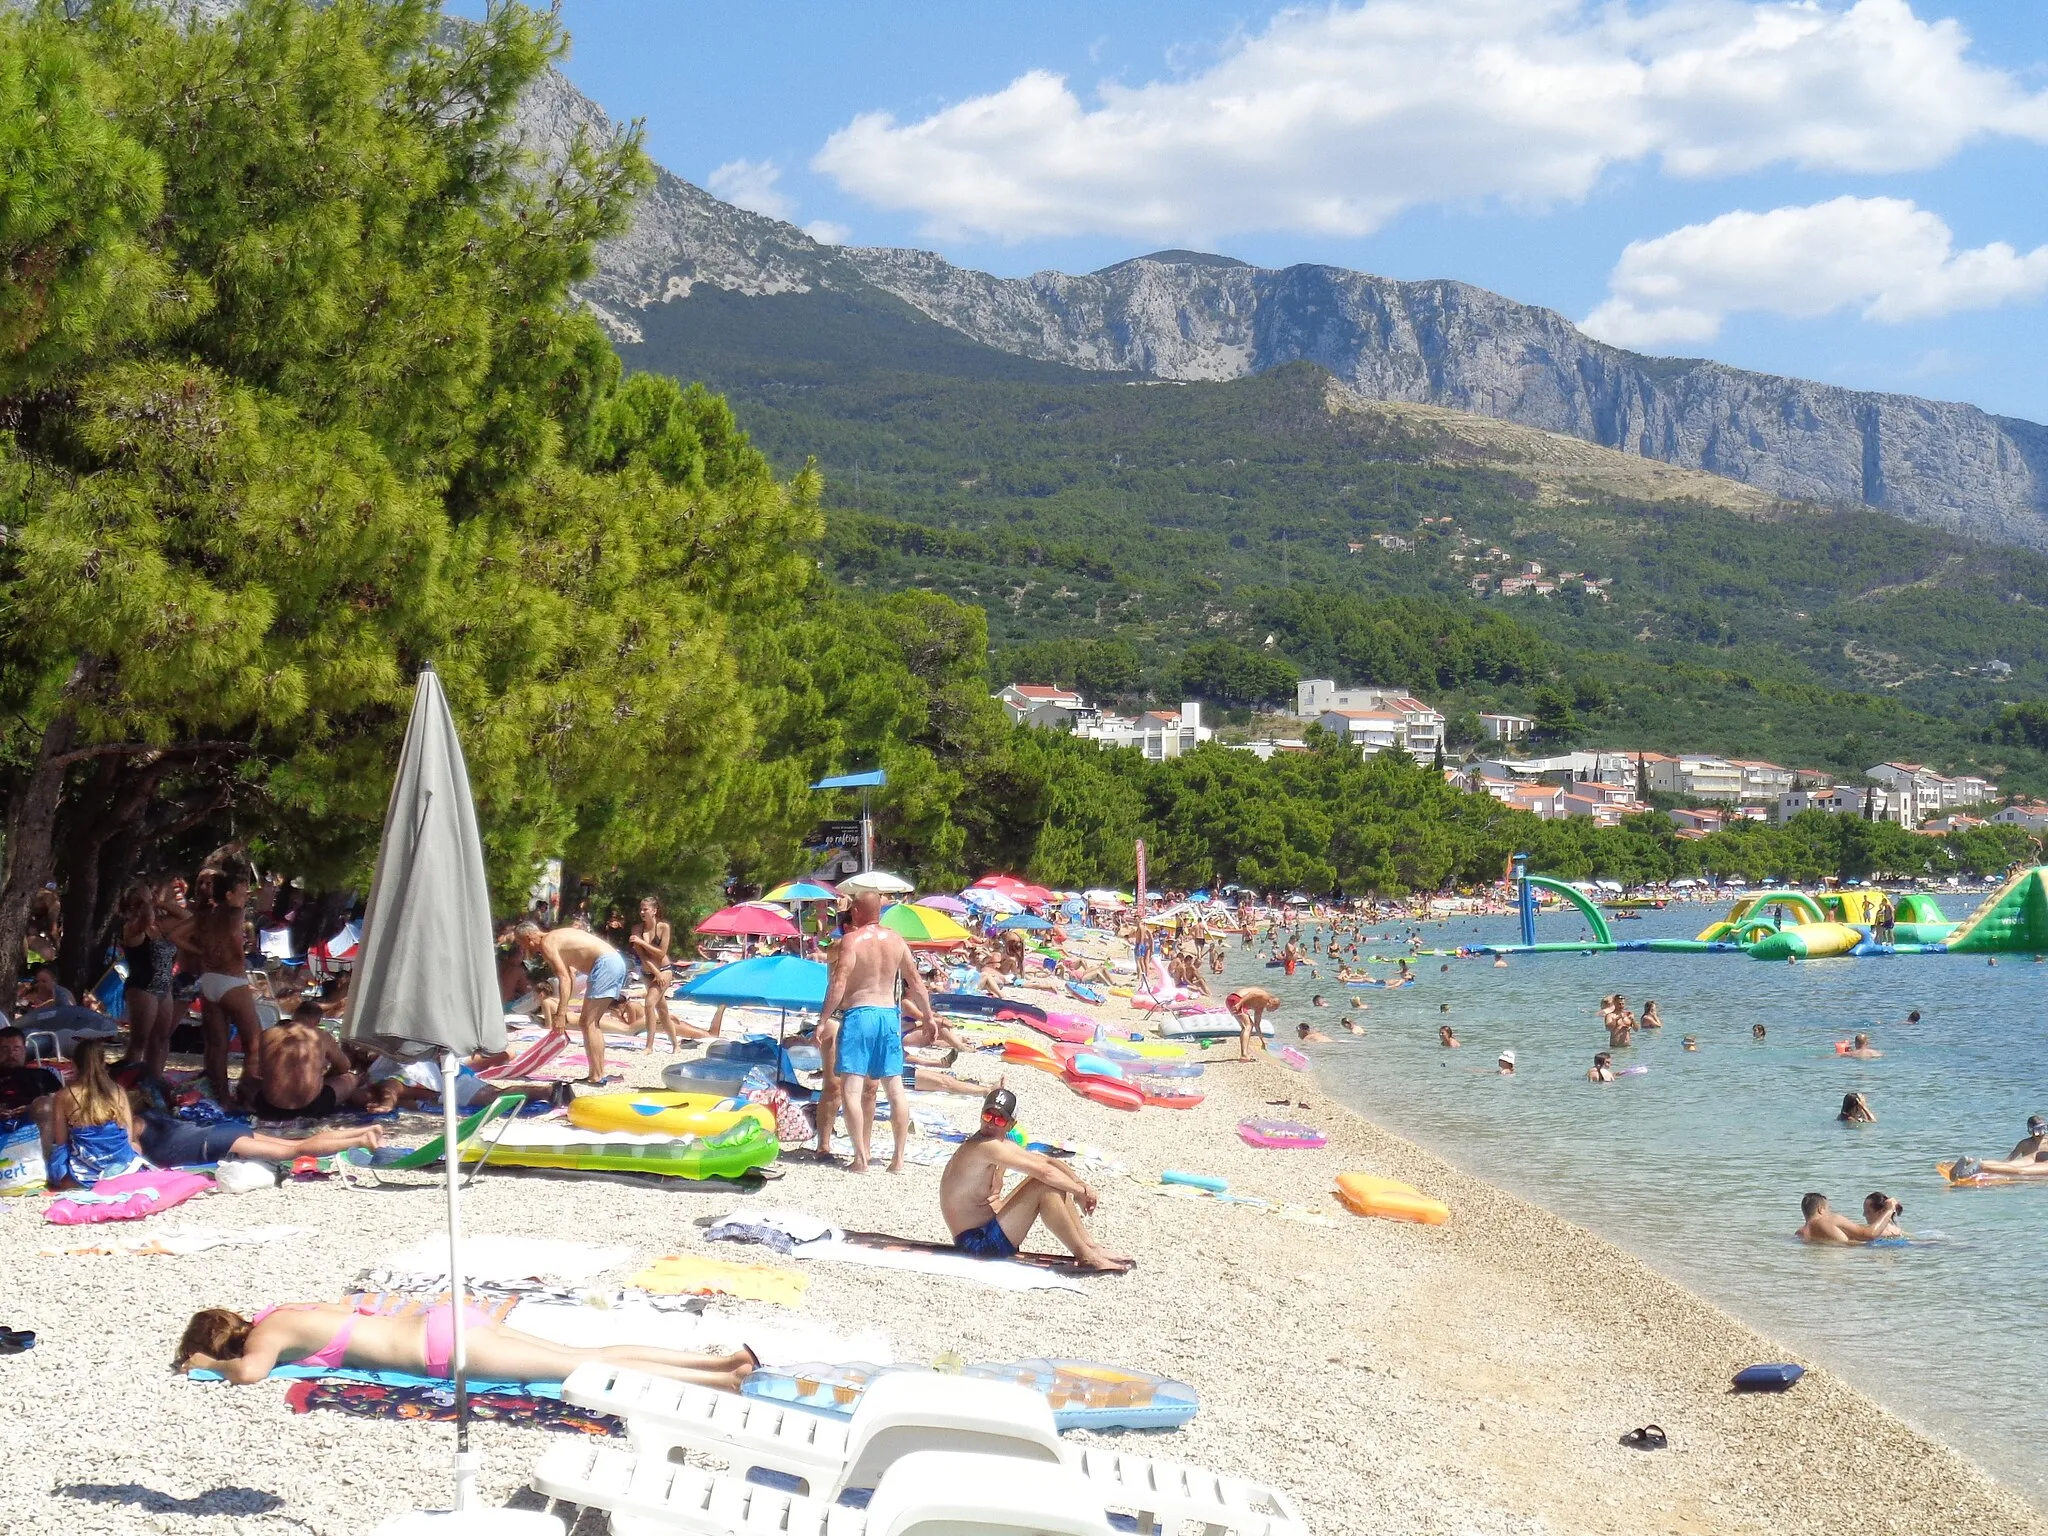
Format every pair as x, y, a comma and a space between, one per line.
332, 1334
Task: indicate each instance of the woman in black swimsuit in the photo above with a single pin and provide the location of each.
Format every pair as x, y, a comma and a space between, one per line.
151, 958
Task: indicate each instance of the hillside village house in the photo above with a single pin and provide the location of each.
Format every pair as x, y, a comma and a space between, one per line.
1158, 733
1037, 704
1697, 778
2031, 814
1933, 792
1506, 728
1373, 719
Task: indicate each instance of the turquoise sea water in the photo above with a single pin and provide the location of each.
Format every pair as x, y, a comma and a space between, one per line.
1698, 1166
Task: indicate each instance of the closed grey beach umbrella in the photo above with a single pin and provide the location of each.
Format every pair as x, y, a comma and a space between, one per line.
426, 984
426, 976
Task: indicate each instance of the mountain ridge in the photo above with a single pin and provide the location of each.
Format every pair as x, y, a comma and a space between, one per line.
1433, 342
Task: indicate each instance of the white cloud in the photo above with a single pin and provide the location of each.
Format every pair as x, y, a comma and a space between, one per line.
1880, 255
825, 232
1332, 120
750, 184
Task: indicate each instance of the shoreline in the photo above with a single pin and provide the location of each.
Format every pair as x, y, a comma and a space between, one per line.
1473, 1377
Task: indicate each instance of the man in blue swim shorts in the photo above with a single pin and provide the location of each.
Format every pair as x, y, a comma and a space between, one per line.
987, 1226
864, 1050
567, 951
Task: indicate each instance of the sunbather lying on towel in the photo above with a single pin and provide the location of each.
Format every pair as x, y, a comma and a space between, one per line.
989, 1227
330, 1334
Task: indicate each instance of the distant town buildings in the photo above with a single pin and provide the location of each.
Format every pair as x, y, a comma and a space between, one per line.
1158, 733
1601, 786
1373, 719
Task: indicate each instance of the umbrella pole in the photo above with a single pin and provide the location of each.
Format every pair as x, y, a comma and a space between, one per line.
451, 1161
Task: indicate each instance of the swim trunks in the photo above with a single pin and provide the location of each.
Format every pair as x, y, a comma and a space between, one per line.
323, 1103
608, 976
987, 1241
870, 1043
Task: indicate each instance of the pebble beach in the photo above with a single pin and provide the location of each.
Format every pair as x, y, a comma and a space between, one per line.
1473, 1377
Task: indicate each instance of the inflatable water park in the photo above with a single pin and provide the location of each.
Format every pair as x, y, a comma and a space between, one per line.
1797, 925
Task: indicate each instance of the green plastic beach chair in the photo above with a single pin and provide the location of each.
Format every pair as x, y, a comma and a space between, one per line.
501, 1108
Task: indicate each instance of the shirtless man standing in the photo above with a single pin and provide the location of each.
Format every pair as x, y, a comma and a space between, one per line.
567, 951
866, 1044
214, 933
298, 1070
1250, 1008
987, 1226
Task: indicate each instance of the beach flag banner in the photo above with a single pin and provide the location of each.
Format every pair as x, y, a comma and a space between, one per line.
1141, 879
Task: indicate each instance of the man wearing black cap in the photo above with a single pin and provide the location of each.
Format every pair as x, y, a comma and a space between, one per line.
986, 1225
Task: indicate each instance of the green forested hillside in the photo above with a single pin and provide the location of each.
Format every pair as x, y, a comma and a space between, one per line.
1151, 518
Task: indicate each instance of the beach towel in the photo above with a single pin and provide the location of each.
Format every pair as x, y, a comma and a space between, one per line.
1026, 1272
435, 1404
128, 1197
392, 1379
174, 1242
637, 1318
678, 1274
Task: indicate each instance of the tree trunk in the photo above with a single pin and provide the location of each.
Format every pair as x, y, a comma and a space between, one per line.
101, 839
31, 831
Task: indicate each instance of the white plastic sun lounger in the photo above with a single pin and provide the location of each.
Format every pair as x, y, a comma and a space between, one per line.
899, 1412
905, 1412
934, 1491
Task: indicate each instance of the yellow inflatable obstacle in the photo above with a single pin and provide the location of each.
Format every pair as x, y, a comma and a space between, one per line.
665, 1114
1370, 1195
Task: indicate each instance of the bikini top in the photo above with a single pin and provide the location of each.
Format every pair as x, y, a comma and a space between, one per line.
335, 1350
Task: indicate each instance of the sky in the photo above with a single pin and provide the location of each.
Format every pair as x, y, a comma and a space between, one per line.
1845, 190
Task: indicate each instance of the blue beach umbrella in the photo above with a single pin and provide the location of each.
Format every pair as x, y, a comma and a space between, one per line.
1023, 920
772, 981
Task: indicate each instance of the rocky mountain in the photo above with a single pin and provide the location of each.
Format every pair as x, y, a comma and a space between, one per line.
1188, 316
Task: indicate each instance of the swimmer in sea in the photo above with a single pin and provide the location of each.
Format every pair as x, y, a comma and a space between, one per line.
1822, 1225
1856, 1110
1316, 1002
1500, 962
1312, 1036
1446, 1039
1506, 1066
1650, 1019
2030, 1145
1354, 1026
1913, 1017
1756, 1031
1690, 1043
1863, 1050
1881, 1214
1602, 1070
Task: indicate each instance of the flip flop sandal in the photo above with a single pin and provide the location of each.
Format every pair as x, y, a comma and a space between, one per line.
1650, 1437
14, 1340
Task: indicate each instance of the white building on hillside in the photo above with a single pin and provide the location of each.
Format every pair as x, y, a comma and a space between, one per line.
1158, 733
1402, 722
1762, 781
1506, 728
1697, 778
1038, 704
1934, 792
2031, 814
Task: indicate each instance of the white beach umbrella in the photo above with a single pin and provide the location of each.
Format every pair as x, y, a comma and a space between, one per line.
426, 984
877, 880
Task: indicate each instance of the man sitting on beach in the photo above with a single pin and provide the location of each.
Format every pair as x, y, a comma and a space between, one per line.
1822, 1225
986, 1225
1250, 1008
568, 951
298, 1070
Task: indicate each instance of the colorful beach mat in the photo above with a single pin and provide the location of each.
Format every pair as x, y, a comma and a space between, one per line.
436, 1405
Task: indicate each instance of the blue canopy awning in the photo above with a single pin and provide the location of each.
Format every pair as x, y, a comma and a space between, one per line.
874, 778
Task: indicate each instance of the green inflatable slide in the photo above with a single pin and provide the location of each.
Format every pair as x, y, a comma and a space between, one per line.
2014, 920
